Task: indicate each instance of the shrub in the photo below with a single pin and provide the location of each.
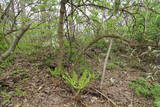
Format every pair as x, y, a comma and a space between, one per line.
146, 89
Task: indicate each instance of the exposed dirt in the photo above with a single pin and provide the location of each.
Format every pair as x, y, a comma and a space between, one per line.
44, 90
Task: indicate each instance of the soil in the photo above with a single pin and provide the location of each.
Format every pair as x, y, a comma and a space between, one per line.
44, 90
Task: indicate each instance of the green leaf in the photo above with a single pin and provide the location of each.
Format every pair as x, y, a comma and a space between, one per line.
74, 76
24, 19
84, 80
116, 6
57, 72
34, 9
158, 20
42, 6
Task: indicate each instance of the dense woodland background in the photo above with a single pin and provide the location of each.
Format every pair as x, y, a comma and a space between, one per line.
80, 53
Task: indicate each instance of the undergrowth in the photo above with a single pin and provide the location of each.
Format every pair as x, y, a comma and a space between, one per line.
144, 88
78, 80
6, 96
8, 61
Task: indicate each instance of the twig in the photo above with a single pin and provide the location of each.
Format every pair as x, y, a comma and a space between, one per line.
105, 64
110, 100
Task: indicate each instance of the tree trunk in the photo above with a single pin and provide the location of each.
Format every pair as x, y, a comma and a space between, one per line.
13, 44
60, 34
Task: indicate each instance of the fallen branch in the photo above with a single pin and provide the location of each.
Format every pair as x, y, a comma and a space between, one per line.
106, 97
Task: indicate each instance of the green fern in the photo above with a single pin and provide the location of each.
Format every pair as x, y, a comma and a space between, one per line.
144, 88
85, 79
78, 83
141, 87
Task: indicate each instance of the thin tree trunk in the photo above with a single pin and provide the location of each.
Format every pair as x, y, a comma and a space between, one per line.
60, 57
105, 64
13, 44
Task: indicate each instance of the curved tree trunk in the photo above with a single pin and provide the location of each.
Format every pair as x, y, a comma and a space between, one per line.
14, 44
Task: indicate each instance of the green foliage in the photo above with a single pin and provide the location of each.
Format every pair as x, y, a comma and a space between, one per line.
24, 19
141, 87
158, 20
116, 62
116, 6
20, 93
156, 90
133, 20
18, 71
78, 83
5, 96
156, 94
26, 47
102, 44
8, 61
25, 79
144, 88
146, 27
120, 64
78, 79
3, 43
57, 72
111, 65
42, 6
157, 102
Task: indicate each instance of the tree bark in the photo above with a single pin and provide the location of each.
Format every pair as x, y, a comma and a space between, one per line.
14, 44
60, 34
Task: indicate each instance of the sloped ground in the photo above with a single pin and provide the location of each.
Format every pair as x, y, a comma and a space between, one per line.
40, 89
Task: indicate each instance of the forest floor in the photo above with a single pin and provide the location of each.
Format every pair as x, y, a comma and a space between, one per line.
27, 82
